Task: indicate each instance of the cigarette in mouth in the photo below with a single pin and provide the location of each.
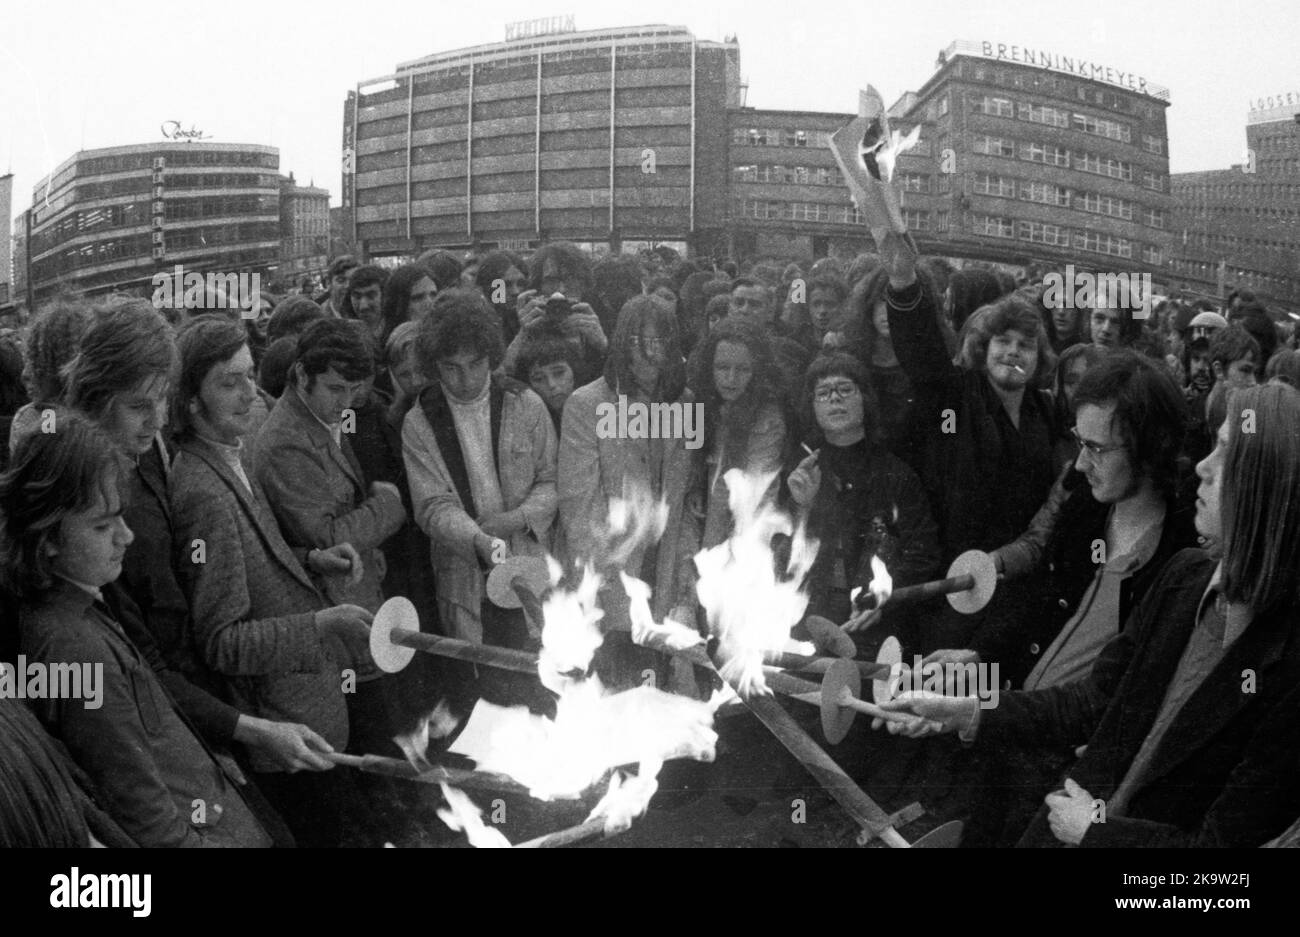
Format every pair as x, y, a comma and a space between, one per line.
1016, 367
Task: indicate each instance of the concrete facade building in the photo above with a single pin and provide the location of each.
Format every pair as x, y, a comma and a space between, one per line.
108, 219
1240, 227
597, 137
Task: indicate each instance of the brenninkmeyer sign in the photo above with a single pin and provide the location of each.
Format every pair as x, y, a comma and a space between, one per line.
1070, 65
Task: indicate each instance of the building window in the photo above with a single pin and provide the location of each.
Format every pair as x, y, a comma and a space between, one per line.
1049, 234
943, 106
1045, 193
1050, 116
992, 226
1153, 218
1152, 180
796, 138
945, 183
1045, 153
916, 220
1111, 129
915, 182
941, 222
984, 183
994, 107
1153, 144
994, 146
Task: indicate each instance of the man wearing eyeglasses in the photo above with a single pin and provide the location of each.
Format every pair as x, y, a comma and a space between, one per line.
1091, 562
1083, 566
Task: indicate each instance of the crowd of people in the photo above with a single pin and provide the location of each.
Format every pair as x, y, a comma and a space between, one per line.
213, 502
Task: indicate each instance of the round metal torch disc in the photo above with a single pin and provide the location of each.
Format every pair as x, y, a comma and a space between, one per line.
947, 836
891, 653
829, 638
836, 719
978, 565
531, 568
397, 612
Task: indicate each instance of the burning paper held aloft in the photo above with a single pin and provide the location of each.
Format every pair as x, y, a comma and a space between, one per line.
867, 152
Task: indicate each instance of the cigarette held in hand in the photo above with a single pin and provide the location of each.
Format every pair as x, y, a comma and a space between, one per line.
806, 448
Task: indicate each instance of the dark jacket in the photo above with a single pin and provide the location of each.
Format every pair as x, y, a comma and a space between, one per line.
1030, 612
1224, 774
869, 504
150, 766
985, 477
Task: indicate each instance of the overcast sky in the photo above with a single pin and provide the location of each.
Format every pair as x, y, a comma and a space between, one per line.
85, 75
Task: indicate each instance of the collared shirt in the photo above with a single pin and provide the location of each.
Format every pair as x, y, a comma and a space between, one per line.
334, 429
1070, 656
95, 593
231, 456
473, 419
1218, 625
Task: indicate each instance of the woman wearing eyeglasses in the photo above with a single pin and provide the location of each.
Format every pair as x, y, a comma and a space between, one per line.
861, 500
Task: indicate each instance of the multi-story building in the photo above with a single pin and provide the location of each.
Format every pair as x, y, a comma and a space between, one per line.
601, 137
1024, 156
304, 231
109, 219
1240, 227
6, 257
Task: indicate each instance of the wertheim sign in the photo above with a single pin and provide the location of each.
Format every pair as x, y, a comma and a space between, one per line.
527, 29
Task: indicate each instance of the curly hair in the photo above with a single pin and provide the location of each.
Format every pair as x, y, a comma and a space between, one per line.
51, 476
291, 315
1017, 312
761, 390
461, 321
128, 343
52, 341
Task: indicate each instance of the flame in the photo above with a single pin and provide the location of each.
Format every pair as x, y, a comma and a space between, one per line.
570, 632
635, 520
670, 635
462, 814
881, 585
627, 799
751, 609
889, 150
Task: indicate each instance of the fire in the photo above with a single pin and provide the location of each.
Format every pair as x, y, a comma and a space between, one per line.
461, 814
751, 608
670, 635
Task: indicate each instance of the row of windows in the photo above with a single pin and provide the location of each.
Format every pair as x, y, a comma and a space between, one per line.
1235, 191
139, 246
1278, 282
791, 175
1045, 193
1054, 117
1050, 155
1059, 236
132, 214
772, 136
132, 162
221, 180
795, 211
1047, 82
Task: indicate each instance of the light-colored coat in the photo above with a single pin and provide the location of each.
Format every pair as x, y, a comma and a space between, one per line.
252, 604
592, 470
318, 495
526, 452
